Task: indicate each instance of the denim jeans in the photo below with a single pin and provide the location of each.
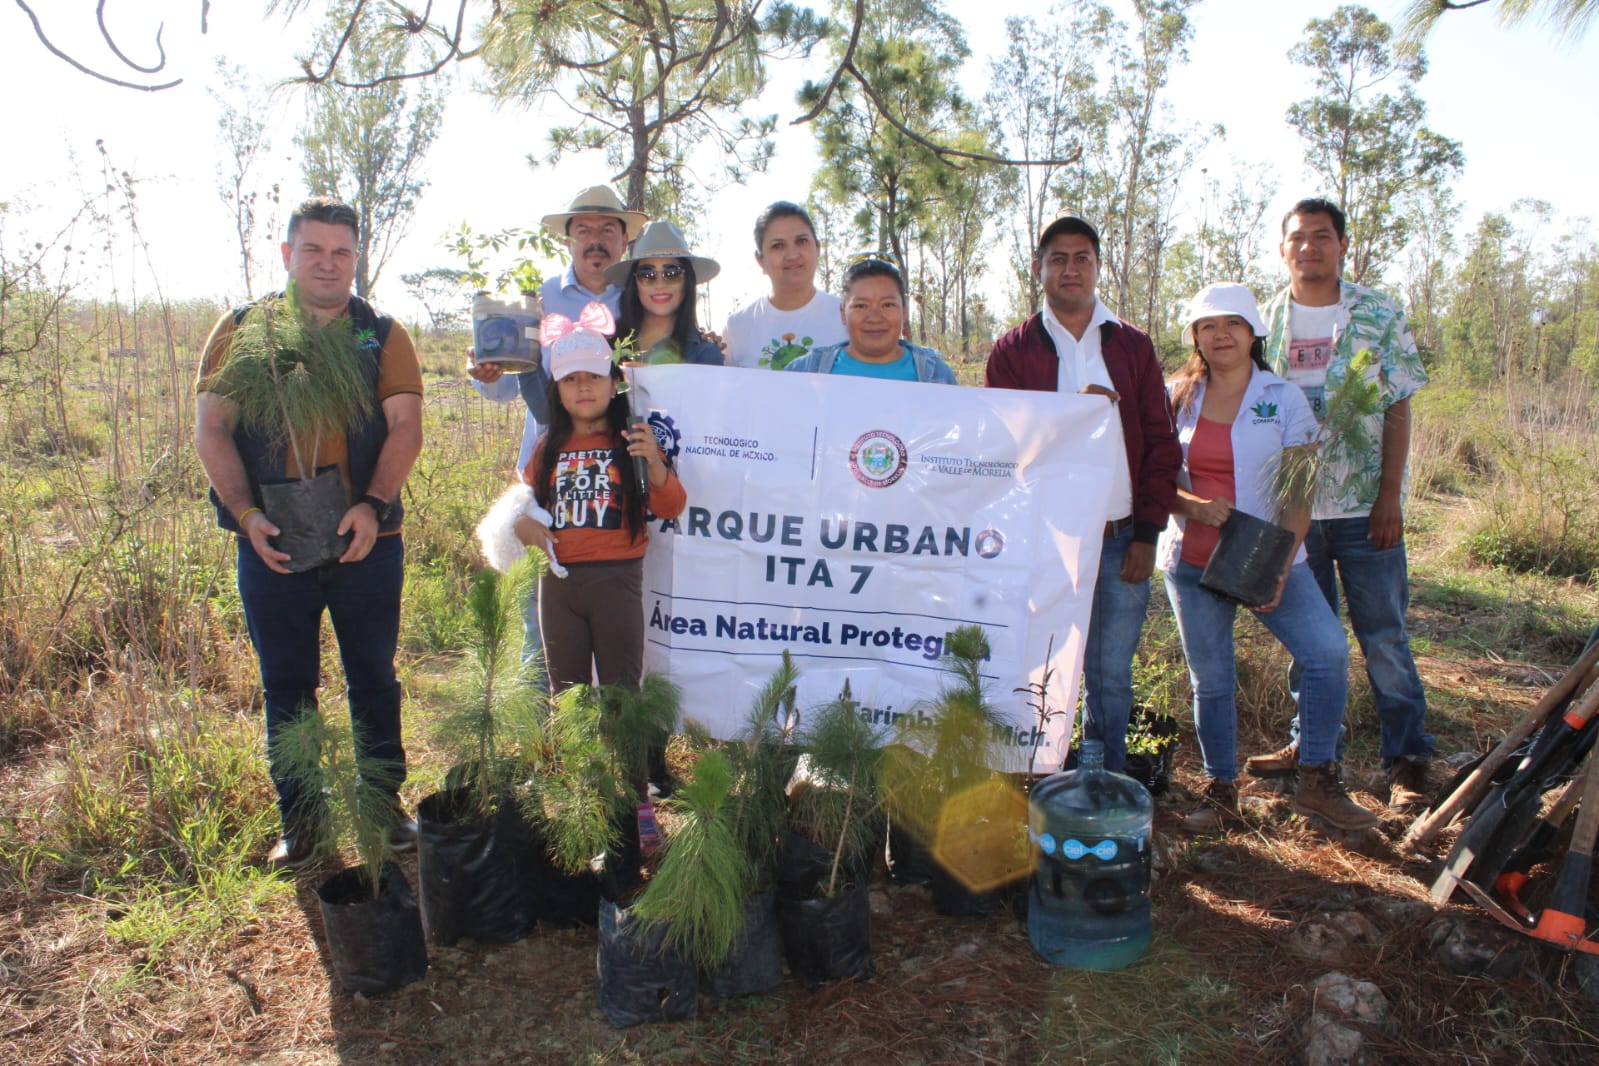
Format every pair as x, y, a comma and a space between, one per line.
1114, 628
532, 641
284, 615
1303, 623
1376, 585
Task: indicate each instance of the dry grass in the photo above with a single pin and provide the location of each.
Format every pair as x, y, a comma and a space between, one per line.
129, 935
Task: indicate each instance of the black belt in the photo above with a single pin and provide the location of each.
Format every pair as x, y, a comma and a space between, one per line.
1118, 527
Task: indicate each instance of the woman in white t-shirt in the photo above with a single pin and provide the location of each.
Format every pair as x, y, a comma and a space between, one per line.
796, 317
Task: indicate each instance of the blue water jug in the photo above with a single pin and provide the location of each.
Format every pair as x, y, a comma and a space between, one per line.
1089, 905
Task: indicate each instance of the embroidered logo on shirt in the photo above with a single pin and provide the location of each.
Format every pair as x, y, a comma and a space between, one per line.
1265, 411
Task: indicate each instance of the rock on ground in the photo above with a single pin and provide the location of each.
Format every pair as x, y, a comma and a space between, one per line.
1343, 1008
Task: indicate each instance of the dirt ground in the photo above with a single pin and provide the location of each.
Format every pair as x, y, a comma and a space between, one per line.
1226, 980
1245, 923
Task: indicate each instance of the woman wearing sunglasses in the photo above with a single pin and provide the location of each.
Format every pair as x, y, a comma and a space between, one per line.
874, 318
657, 307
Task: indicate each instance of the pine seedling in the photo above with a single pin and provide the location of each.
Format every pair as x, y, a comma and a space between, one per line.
637, 720
318, 752
1296, 476
496, 707
951, 745
840, 811
700, 885
763, 759
583, 791
295, 381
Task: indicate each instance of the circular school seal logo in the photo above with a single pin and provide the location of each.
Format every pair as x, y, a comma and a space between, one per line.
666, 433
877, 458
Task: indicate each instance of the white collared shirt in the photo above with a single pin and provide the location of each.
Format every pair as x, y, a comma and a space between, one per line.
1081, 362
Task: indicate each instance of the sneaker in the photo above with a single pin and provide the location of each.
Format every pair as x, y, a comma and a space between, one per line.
1407, 785
1321, 793
1279, 763
401, 836
1218, 806
294, 852
650, 841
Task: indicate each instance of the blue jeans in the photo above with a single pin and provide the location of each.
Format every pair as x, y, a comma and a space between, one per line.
532, 642
284, 615
1376, 585
1307, 628
1114, 628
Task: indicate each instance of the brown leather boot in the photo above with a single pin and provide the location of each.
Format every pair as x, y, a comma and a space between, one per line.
1218, 807
1321, 793
1279, 763
1407, 785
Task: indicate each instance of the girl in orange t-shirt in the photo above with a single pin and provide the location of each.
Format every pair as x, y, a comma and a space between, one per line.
583, 476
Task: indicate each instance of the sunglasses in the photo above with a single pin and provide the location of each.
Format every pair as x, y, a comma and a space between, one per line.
670, 272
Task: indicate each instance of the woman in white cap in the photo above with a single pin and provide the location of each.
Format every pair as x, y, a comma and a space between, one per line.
657, 309
1234, 418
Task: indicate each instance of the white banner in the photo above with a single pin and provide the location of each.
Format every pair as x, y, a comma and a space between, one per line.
857, 522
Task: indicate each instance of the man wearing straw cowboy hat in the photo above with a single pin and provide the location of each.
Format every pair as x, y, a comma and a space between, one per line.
596, 229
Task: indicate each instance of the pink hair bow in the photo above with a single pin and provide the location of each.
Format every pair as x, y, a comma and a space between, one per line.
595, 316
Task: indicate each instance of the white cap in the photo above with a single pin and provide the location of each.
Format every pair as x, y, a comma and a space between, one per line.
1222, 298
581, 346
580, 350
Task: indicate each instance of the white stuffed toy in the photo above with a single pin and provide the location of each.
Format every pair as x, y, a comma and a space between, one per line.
497, 531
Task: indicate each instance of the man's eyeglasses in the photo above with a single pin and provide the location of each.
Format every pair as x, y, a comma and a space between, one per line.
670, 272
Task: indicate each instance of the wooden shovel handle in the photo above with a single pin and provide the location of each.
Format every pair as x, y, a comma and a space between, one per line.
1575, 680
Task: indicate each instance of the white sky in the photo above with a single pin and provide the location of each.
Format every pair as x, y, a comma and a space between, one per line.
1514, 98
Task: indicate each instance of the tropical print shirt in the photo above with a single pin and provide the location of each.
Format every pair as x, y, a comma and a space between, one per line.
1352, 466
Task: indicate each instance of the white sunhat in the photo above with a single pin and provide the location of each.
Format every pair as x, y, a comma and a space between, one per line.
1222, 298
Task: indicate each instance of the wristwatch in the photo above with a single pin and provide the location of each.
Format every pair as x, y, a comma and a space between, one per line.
381, 508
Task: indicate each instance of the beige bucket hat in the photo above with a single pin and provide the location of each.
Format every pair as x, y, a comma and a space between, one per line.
597, 200
661, 240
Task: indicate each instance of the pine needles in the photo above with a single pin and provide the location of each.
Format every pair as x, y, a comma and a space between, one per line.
949, 746
497, 709
699, 889
1296, 476
318, 752
294, 380
839, 810
763, 759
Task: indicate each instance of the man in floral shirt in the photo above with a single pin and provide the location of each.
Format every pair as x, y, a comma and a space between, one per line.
1315, 328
